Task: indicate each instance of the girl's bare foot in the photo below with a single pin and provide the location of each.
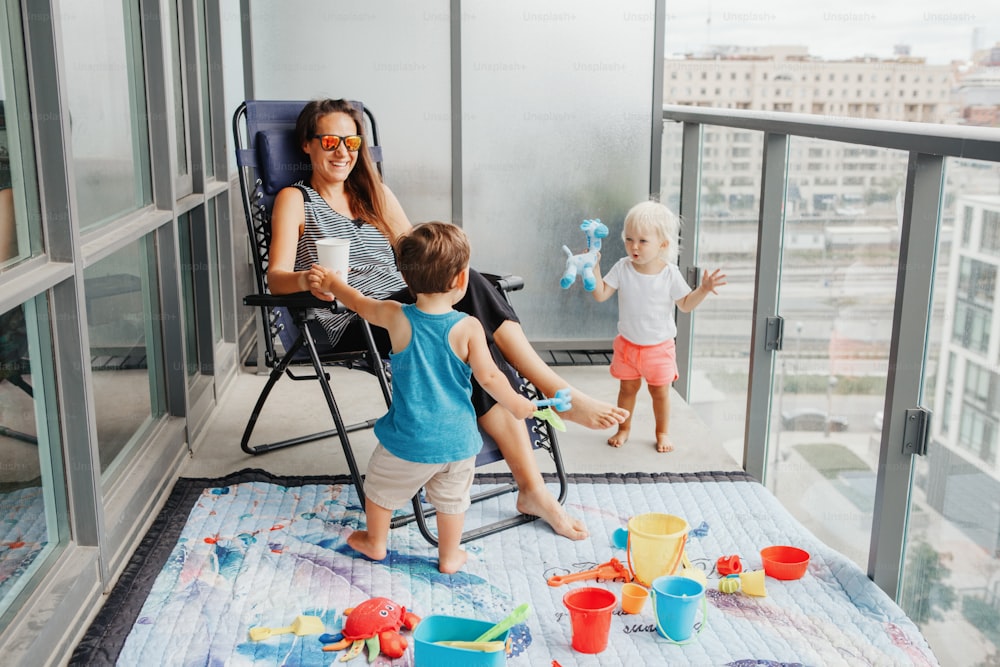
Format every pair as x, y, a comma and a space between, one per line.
545, 506
619, 438
453, 562
362, 542
663, 444
594, 414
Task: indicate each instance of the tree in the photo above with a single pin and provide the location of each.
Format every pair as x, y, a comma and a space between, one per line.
983, 616
925, 595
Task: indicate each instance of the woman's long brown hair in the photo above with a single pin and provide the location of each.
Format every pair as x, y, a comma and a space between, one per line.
363, 185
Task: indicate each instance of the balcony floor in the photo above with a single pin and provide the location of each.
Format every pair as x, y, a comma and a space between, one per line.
294, 404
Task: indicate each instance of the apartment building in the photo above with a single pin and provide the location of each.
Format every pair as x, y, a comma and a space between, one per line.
964, 462
978, 95
825, 178
787, 78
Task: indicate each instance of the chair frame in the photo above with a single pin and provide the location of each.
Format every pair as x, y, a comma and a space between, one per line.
250, 118
253, 117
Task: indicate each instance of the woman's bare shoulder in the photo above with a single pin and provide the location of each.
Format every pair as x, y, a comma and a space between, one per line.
289, 206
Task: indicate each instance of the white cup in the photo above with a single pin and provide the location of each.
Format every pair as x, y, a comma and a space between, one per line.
334, 254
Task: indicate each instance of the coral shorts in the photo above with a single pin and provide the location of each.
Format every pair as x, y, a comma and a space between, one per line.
657, 364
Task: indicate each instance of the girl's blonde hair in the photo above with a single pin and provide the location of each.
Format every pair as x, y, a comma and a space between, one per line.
652, 217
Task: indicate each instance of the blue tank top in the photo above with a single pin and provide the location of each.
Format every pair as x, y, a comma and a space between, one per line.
431, 419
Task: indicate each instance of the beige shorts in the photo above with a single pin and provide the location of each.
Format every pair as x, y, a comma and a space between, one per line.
391, 482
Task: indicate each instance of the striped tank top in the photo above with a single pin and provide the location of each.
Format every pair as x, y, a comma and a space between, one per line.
373, 265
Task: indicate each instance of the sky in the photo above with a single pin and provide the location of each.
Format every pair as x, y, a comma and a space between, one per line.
835, 29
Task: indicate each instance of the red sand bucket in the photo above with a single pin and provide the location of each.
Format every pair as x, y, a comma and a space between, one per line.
590, 617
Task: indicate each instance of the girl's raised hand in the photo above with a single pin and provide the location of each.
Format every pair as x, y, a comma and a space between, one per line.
712, 281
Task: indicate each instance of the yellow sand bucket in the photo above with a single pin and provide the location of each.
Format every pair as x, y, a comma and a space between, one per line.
655, 545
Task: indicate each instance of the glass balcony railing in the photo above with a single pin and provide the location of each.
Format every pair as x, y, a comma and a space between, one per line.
862, 259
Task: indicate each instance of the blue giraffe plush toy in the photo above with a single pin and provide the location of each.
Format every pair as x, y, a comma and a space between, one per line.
584, 262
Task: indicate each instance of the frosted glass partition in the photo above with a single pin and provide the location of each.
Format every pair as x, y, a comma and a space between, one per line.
394, 56
106, 106
556, 129
232, 56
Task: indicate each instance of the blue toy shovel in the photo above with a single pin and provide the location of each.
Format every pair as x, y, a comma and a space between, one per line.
561, 402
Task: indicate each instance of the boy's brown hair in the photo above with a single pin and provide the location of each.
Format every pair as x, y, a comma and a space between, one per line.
430, 256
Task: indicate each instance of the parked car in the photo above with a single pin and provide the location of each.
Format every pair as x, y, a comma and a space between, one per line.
811, 419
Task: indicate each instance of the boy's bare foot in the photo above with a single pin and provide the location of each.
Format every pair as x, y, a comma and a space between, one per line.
590, 412
362, 542
619, 438
545, 506
453, 562
663, 444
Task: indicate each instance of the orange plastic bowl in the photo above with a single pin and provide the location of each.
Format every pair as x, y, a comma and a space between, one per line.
783, 562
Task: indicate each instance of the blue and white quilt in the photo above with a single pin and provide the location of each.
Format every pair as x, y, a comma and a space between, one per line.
260, 554
23, 534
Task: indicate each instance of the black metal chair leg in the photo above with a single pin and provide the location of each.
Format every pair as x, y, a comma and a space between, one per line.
280, 369
338, 421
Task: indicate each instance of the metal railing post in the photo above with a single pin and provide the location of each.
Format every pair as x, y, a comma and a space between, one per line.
691, 151
907, 352
770, 223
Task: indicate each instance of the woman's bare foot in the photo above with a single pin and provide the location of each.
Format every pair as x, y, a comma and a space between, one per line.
590, 412
619, 438
544, 505
663, 444
453, 562
362, 542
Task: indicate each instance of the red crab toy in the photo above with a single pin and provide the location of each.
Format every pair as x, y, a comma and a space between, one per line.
375, 623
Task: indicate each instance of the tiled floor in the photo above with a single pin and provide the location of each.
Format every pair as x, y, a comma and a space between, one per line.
298, 407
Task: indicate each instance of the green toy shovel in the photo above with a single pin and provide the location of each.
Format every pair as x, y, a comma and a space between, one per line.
516, 616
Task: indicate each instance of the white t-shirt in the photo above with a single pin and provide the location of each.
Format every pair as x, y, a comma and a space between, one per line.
646, 302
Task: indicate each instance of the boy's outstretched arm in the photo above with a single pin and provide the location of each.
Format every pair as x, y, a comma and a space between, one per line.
490, 378
710, 282
602, 291
379, 313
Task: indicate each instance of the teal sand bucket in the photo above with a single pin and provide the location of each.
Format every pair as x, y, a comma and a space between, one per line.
675, 605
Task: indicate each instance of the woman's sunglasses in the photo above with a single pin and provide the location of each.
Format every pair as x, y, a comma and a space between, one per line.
331, 142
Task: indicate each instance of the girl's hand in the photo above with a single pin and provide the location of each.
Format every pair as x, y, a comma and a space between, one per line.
710, 282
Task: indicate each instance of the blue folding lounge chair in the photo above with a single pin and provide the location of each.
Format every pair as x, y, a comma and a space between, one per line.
269, 159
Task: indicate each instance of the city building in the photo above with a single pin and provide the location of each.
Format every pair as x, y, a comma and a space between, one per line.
964, 462
787, 78
977, 95
834, 180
